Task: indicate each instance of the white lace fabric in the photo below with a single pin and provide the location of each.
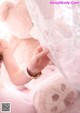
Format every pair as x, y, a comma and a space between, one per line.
58, 29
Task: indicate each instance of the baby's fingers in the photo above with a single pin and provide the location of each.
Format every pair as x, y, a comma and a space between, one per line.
43, 53
38, 50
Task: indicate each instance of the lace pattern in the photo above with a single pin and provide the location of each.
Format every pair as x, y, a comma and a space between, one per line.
59, 31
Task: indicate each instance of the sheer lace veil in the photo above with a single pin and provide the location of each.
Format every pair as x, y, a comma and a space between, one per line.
58, 29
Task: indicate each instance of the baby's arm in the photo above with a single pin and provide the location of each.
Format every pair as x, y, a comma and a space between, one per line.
17, 76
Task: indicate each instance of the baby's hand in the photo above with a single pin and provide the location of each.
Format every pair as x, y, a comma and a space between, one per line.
38, 61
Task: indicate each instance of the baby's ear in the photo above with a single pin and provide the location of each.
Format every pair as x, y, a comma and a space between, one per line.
4, 10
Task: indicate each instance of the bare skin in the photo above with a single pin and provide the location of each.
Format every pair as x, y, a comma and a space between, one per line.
17, 76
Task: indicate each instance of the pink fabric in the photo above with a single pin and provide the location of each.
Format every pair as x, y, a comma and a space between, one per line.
34, 84
40, 92
19, 104
52, 84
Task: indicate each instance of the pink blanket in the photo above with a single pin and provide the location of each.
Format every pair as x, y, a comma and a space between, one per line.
19, 102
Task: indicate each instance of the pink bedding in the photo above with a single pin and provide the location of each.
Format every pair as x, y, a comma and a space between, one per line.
19, 104
24, 104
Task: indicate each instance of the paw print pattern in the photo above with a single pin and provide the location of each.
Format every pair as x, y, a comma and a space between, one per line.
55, 97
